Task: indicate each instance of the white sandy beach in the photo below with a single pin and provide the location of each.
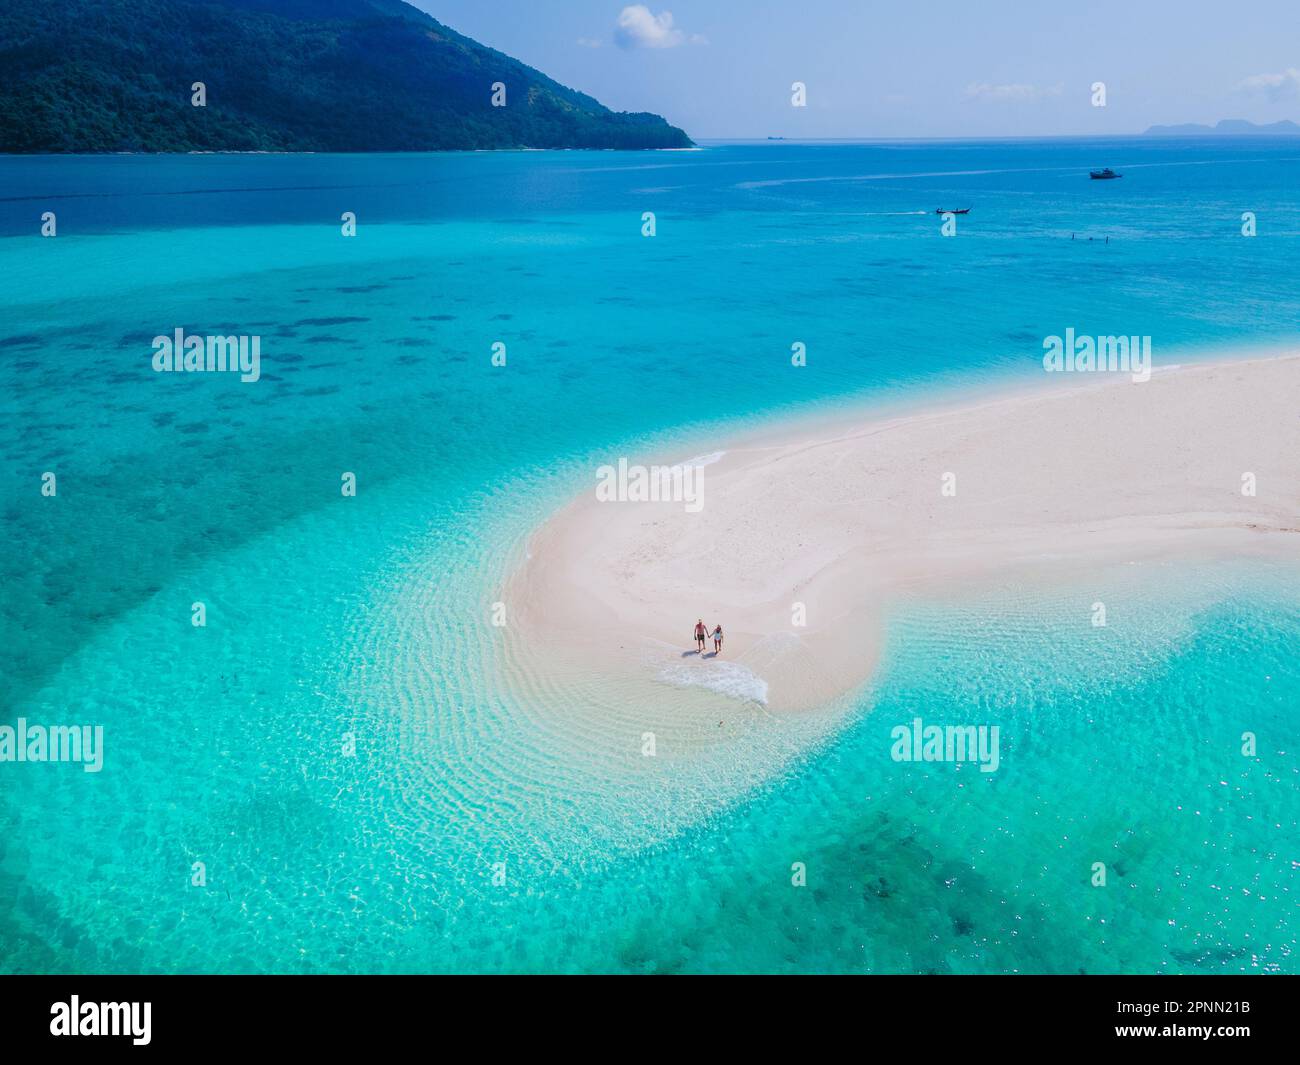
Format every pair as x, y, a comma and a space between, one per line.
845, 517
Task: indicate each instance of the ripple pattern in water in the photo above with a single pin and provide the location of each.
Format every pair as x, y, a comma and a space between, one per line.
336, 623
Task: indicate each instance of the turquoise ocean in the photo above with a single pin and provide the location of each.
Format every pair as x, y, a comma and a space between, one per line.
335, 755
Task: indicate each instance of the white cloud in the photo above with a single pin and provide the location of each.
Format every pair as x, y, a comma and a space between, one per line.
982, 90
638, 28
590, 42
1281, 86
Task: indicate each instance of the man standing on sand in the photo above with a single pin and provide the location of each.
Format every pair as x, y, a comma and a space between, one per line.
700, 633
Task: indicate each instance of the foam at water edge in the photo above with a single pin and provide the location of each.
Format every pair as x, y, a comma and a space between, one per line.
726, 678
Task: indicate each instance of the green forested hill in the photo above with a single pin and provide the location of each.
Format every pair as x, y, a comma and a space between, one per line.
280, 75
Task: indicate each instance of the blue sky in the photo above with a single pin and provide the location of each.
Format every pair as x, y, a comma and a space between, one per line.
723, 68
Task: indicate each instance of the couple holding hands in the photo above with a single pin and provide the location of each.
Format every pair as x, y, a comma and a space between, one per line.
702, 634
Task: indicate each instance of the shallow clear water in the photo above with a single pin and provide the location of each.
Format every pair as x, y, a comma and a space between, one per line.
367, 619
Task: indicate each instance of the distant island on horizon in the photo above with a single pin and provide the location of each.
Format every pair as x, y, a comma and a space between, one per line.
99, 76
1228, 127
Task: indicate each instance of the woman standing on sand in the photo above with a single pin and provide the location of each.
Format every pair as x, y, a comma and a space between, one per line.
717, 641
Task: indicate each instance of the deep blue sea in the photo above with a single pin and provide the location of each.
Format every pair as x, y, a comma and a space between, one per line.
330, 776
